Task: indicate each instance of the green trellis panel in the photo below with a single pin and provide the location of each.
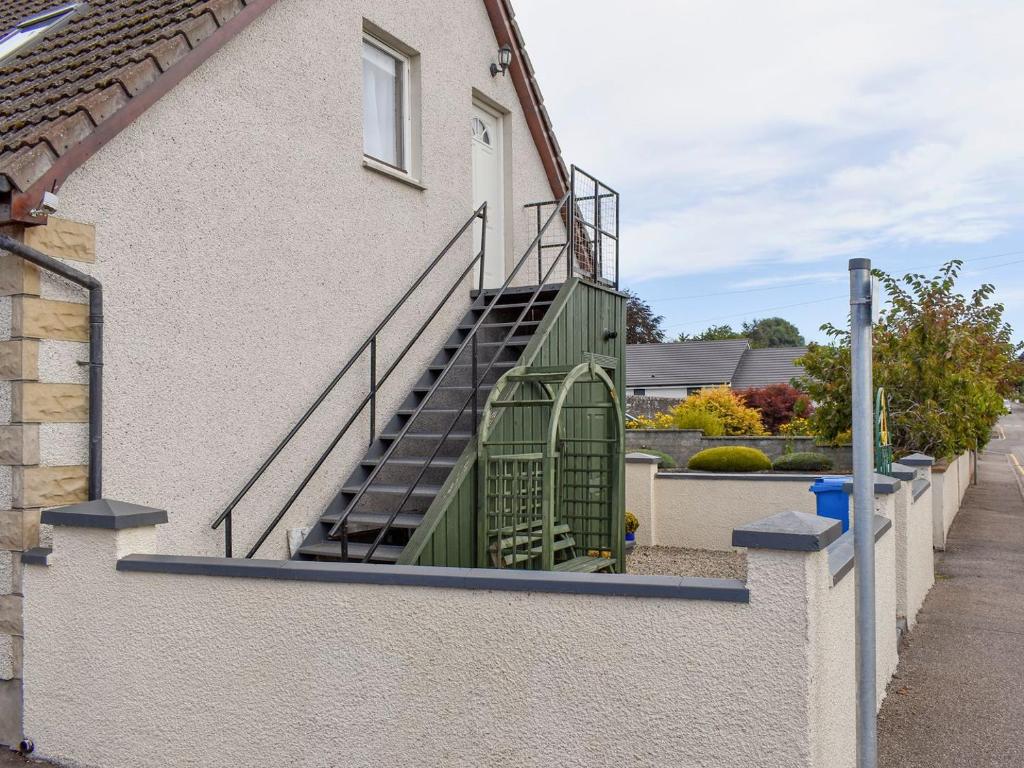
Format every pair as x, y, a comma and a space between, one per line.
585, 322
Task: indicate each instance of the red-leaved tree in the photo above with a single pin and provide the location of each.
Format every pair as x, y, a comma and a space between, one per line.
778, 403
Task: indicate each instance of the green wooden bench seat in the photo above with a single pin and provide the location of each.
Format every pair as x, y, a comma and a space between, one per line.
524, 543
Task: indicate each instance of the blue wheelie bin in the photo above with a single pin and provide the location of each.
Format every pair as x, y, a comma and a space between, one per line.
832, 500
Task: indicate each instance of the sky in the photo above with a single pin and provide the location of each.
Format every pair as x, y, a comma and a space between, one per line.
757, 147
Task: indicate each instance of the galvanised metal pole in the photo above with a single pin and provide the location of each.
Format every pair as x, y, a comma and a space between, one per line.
863, 509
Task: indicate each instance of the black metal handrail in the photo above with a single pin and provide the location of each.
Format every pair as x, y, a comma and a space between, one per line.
225, 517
569, 210
473, 398
338, 528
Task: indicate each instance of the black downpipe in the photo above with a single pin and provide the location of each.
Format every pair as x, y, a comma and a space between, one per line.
95, 288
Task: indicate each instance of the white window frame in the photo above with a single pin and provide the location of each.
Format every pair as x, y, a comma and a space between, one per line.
408, 161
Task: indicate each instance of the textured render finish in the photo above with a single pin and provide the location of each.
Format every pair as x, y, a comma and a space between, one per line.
64, 239
886, 636
919, 563
246, 252
697, 512
32, 401
722, 684
833, 712
946, 497
63, 444
640, 480
63, 362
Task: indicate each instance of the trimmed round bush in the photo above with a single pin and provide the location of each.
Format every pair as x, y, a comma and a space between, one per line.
803, 461
664, 460
737, 458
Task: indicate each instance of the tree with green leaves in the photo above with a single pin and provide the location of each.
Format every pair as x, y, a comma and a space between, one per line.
772, 332
642, 325
946, 361
712, 333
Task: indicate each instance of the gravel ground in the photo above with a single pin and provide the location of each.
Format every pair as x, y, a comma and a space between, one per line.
673, 561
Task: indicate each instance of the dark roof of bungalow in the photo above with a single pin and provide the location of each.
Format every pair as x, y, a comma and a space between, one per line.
82, 82
760, 367
686, 362
692, 363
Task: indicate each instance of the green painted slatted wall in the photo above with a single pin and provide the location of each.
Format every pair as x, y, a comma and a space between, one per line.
583, 321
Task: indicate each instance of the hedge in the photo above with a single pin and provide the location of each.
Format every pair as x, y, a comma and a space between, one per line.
730, 459
803, 461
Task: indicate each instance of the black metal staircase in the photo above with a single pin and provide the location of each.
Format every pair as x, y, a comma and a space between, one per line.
408, 480
383, 502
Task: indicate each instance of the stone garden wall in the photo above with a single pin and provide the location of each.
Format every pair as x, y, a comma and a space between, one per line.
681, 444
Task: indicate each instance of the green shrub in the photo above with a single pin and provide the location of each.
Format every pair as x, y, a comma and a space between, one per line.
803, 461
711, 425
730, 459
631, 523
664, 460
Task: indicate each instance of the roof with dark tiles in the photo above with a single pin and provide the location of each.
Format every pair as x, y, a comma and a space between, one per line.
772, 365
57, 92
60, 91
728, 361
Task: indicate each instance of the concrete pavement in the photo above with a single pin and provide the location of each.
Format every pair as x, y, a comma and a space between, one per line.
958, 698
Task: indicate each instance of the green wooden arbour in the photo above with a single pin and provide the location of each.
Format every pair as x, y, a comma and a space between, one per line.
551, 471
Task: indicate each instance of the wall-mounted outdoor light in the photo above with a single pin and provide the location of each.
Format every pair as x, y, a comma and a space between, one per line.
504, 61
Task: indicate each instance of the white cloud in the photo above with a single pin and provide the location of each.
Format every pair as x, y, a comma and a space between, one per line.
743, 134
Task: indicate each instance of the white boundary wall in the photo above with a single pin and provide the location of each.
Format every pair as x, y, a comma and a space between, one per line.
155, 668
700, 511
950, 482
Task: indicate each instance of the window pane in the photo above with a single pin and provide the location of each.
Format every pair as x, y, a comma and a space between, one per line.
382, 106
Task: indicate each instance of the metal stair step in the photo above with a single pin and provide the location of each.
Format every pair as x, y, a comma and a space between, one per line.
515, 341
495, 365
422, 388
491, 326
409, 520
427, 435
385, 553
414, 461
538, 304
397, 490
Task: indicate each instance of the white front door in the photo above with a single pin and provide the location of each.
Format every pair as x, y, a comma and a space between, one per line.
488, 184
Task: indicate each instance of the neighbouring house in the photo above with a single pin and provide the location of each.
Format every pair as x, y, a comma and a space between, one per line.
281, 270
680, 369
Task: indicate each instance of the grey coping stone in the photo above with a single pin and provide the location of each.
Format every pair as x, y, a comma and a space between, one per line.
840, 552
764, 477
883, 484
919, 486
917, 460
902, 472
104, 513
642, 458
798, 531
687, 588
36, 556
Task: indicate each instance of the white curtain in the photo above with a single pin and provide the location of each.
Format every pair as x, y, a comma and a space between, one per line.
381, 104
